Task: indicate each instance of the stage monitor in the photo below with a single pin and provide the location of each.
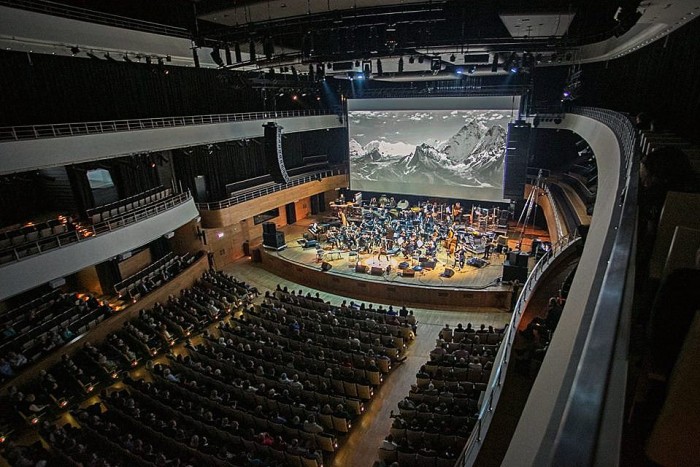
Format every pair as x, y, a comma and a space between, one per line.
448, 147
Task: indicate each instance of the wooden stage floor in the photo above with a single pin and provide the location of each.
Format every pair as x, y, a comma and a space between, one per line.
468, 289
467, 278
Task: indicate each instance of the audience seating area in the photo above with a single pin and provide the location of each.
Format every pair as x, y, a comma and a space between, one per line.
435, 420
153, 276
112, 210
275, 384
43, 325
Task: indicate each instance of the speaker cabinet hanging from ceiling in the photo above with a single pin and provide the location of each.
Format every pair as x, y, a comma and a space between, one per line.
274, 161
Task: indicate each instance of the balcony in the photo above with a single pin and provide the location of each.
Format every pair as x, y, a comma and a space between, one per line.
34, 147
40, 260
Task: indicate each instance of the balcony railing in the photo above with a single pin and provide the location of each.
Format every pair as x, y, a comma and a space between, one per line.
583, 423
254, 193
500, 364
58, 130
87, 231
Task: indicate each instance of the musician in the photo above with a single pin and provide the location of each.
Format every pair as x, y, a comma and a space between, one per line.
487, 250
460, 257
382, 252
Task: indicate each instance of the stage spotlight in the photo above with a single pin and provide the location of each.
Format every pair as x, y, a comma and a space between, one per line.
357, 63
452, 58
411, 59
514, 69
329, 65
74, 50
459, 71
420, 59
400, 64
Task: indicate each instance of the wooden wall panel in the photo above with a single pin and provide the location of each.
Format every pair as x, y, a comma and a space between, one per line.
543, 203
88, 279
234, 214
302, 208
387, 292
137, 262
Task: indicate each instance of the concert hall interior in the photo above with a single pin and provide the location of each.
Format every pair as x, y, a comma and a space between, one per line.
383, 233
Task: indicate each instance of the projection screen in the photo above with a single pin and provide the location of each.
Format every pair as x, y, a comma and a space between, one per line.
448, 147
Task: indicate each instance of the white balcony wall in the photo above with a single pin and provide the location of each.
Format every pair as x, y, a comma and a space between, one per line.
32, 154
32, 271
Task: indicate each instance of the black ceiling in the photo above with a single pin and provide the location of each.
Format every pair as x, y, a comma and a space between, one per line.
436, 23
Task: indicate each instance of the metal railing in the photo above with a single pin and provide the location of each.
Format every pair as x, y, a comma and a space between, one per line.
580, 429
83, 14
500, 364
85, 232
58, 130
254, 193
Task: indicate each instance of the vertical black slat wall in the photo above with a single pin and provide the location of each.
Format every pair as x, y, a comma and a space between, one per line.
50, 89
235, 161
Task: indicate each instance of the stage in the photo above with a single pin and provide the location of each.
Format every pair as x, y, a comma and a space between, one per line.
469, 288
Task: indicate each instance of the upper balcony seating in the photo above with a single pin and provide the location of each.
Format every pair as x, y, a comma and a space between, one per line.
112, 210
35, 238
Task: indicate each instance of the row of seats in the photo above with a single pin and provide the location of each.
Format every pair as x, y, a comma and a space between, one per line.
153, 332
50, 325
112, 210
244, 432
31, 232
436, 418
23, 245
153, 276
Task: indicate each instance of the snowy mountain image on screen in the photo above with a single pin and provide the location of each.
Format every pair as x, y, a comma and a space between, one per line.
471, 157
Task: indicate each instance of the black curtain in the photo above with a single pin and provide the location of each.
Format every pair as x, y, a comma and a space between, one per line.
109, 275
159, 248
77, 89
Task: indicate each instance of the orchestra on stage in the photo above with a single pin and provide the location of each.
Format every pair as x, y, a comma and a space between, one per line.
387, 228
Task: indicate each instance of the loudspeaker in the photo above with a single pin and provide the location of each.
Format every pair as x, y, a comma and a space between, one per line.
326, 266
428, 264
403, 265
360, 268
408, 273
448, 272
512, 272
513, 257
269, 228
521, 260
274, 240
377, 271
516, 158
274, 161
